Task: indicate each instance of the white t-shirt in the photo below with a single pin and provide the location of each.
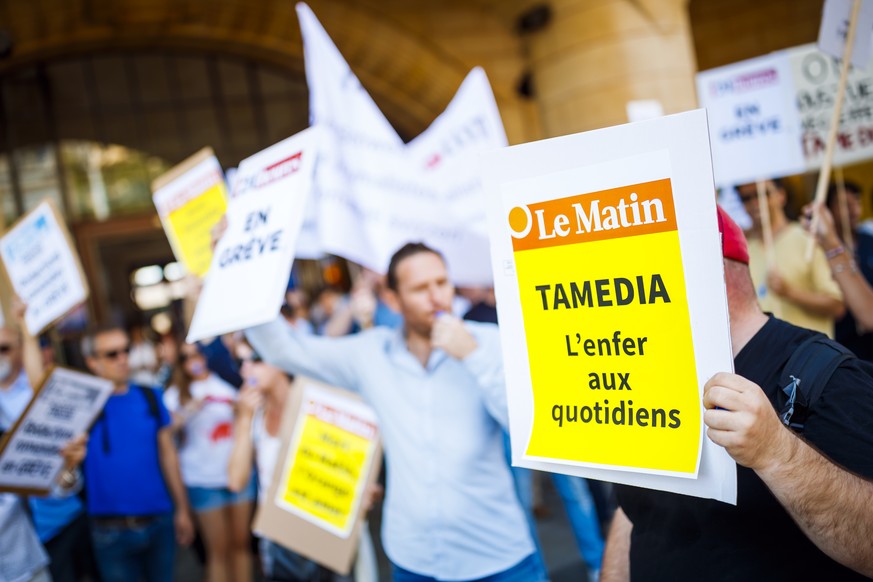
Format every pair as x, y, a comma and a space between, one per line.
143, 361
208, 440
266, 453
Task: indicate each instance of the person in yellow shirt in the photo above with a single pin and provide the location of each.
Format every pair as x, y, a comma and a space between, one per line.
799, 291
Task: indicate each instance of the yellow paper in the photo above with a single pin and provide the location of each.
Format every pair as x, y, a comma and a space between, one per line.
327, 466
608, 332
192, 225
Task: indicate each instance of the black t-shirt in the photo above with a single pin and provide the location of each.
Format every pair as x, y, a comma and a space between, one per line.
676, 537
846, 329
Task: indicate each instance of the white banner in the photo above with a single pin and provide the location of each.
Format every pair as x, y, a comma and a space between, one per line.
251, 265
374, 193
754, 126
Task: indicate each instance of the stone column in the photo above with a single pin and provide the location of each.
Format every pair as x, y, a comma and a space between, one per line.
596, 55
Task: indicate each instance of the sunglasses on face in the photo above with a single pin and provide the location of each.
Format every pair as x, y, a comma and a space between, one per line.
112, 354
252, 359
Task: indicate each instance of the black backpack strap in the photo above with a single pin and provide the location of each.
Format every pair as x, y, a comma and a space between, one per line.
805, 376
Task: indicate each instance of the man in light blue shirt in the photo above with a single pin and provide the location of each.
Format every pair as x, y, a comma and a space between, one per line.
451, 512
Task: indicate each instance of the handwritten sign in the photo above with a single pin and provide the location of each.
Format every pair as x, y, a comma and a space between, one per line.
190, 199
331, 453
64, 406
252, 262
816, 76
43, 266
612, 303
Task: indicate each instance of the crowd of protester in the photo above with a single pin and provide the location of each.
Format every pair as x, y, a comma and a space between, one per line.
187, 444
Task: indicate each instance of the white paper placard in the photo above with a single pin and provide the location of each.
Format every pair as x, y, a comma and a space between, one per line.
65, 406
674, 149
753, 120
43, 267
251, 264
835, 28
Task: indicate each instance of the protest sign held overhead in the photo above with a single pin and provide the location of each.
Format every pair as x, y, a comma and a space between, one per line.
373, 193
191, 198
612, 304
43, 266
331, 452
832, 34
816, 77
252, 261
63, 406
770, 116
753, 121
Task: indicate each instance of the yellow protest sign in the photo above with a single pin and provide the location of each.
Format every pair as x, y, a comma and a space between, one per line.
328, 461
191, 198
603, 305
611, 296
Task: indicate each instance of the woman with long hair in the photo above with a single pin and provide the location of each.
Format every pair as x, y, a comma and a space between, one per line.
202, 406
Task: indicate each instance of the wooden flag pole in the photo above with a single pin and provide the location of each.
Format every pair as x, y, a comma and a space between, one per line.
843, 203
825, 173
767, 232
766, 227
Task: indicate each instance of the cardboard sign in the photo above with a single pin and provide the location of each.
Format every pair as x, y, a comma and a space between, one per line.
43, 266
191, 198
610, 290
815, 88
834, 29
252, 262
331, 452
753, 122
373, 193
65, 405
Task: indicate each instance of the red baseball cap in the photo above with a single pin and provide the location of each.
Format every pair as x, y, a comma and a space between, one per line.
733, 241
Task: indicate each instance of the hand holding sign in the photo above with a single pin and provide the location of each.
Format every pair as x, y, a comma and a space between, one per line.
73, 452
742, 420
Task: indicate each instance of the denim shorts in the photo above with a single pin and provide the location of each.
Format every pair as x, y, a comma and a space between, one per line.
209, 498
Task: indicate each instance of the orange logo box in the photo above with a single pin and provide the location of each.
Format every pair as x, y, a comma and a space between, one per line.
645, 208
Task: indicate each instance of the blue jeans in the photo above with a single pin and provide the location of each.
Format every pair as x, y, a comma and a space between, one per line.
578, 503
130, 554
528, 570
283, 565
582, 513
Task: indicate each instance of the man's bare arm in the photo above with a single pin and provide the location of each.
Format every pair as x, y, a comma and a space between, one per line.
831, 505
616, 555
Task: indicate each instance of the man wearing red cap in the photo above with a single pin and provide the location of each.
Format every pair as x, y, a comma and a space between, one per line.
800, 514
